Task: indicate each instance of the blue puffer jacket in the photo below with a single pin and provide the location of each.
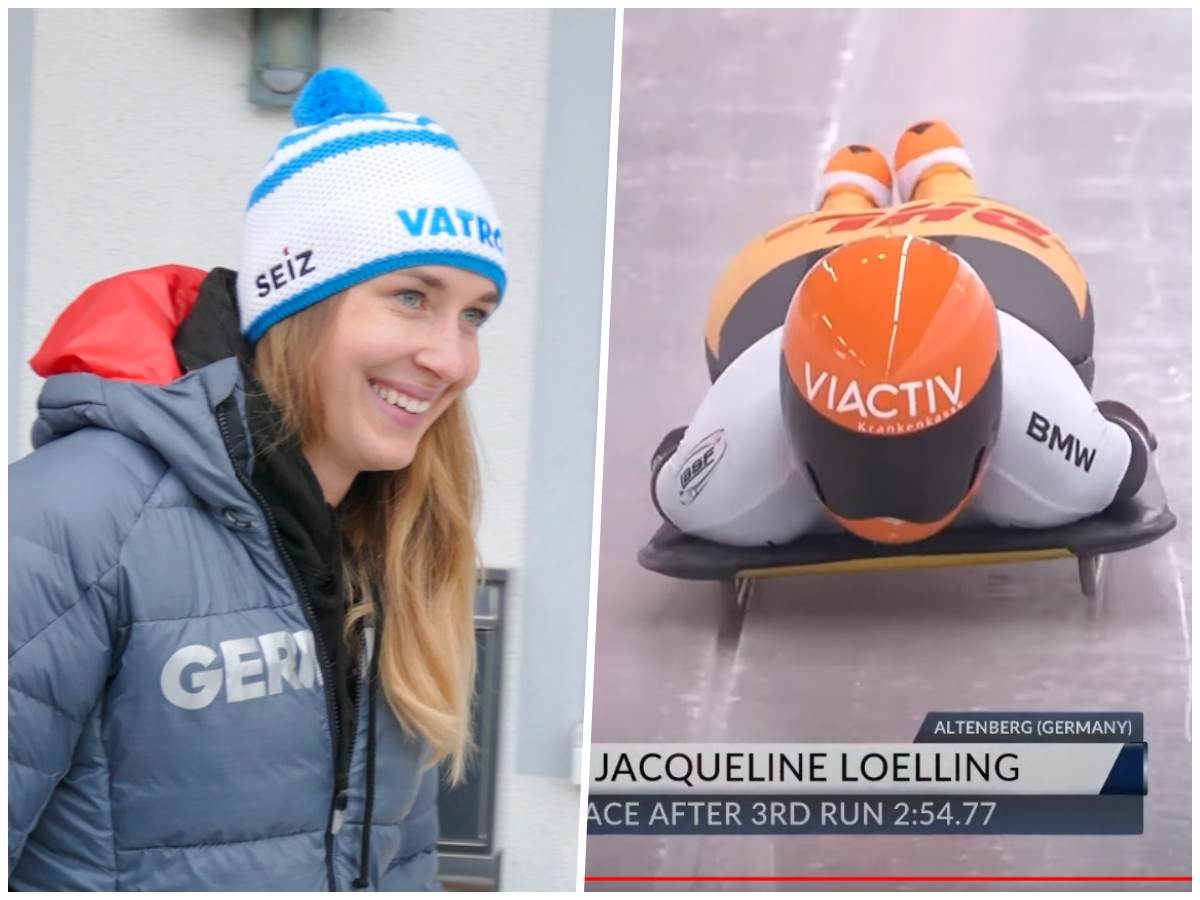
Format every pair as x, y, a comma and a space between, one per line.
169, 726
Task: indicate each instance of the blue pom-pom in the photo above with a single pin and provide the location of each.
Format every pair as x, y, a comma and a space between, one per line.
335, 92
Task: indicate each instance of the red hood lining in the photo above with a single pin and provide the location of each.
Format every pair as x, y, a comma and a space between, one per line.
123, 327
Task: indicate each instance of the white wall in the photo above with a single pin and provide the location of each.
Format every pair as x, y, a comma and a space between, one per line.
143, 149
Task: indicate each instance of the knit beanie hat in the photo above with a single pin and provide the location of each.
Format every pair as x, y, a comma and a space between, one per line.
353, 192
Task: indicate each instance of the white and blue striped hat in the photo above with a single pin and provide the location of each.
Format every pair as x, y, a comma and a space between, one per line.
354, 192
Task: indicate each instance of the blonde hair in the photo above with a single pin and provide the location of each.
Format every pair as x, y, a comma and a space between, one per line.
412, 562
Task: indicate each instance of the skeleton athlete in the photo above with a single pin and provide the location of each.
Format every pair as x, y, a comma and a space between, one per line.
896, 370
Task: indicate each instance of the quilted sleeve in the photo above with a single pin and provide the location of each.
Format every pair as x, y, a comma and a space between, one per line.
59, 653
69, 512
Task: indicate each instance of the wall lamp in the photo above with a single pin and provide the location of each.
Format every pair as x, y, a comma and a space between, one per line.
285, 44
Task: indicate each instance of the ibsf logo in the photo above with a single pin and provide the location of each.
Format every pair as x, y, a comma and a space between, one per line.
248, 668
923, 403
698, 466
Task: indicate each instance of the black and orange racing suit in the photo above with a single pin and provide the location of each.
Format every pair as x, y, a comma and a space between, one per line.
734, 478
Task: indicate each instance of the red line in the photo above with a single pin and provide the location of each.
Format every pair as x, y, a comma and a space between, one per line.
888, 878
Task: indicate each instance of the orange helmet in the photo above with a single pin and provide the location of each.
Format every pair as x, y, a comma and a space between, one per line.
891, 384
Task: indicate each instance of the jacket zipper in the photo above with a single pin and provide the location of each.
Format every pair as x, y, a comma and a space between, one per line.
340, 790
306, 605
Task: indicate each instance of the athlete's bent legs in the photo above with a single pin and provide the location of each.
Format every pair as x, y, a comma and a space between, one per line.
931, 164
857, 177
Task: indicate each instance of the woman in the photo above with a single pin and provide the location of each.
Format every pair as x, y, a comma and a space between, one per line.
200, 563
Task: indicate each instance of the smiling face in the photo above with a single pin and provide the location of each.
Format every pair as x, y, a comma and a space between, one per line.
396, 352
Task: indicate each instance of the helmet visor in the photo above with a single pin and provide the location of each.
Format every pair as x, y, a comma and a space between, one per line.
877, 470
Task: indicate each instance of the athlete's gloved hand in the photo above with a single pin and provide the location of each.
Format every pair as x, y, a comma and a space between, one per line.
666, 449
1141, 442
1115, 409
